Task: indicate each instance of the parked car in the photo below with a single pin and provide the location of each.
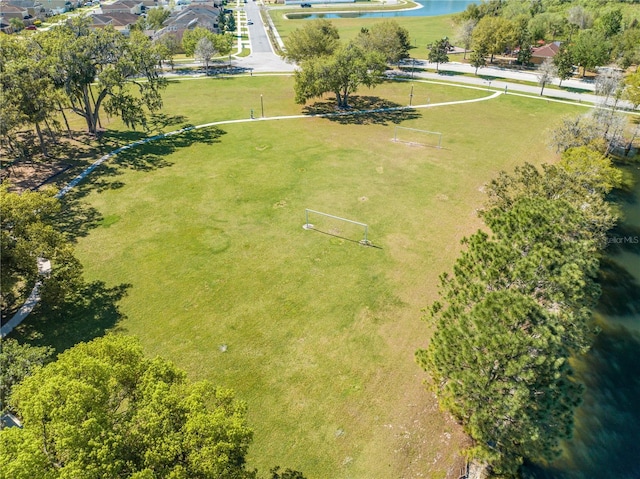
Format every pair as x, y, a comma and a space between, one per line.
31, 27
305, 5
249, 22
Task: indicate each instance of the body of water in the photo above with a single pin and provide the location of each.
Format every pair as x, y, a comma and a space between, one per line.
430, 8
606, 441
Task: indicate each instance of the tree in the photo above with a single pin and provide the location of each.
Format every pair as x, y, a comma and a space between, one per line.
632, 89
102, 69
29, 230
388, 38
103, 407
493, 35
579, 17
341, 73
17, 361
573, 132
524, 55
156, 17
609, 84
17, 25
582, 178
438, 51
589, 50
564, 64
610, 23
516, 309
464, 34
167, 47
496, 368
204, 52
316, 39
28, 87
190, 39
547, 25
626, 48
223, 43
478, 59
546, 73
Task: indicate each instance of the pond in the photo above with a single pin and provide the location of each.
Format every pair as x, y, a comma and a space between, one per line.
428, 8
605, 440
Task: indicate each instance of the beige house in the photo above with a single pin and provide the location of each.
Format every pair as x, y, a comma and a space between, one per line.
123, 6
121, 22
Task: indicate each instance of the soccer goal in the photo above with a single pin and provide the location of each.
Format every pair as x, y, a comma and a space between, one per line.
416, 137
336, 226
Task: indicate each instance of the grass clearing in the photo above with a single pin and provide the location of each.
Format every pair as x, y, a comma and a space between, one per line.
422, 30
319, 332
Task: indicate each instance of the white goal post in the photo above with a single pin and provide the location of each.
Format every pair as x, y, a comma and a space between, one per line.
309, 226
415, 136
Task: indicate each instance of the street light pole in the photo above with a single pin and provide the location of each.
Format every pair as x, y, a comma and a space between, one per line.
262, 105
411, 96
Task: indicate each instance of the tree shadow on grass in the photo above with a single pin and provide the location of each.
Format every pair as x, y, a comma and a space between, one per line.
76, 218
159, 122
363, 110
90, 314
148, 156
449, 73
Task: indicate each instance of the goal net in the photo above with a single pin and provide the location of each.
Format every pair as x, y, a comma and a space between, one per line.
336, 226
416, 137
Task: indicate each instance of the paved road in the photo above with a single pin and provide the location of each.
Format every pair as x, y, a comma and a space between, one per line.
257, 32
262, 57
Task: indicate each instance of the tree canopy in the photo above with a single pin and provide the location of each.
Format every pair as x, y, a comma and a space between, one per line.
17, 361
103, 410
438, 51
388, 38
341, 73
29, 230
102, 69
493, 35
517, 308
316, 39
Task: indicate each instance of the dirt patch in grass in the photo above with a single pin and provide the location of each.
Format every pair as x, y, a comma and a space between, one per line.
31, 176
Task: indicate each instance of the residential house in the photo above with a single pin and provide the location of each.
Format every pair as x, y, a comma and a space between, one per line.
540, 54
193, 16
122, 22
123, 6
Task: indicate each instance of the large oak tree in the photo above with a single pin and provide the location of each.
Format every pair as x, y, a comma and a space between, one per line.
104, 410
341, 73
102, 69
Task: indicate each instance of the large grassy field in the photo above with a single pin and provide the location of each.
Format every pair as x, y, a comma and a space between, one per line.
422, 30
316, 332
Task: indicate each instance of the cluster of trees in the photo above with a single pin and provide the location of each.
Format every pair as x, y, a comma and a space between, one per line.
595, 33
104, 410
79, 69
517, 308
29, 230
327, 65
204, 44
75, 68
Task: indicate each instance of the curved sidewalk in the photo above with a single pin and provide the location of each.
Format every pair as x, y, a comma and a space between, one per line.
34, 297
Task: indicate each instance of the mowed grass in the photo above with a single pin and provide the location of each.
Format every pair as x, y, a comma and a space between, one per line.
422, 30
314, 331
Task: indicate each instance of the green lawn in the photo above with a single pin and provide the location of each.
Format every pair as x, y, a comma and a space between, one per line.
319, 331
422, 30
